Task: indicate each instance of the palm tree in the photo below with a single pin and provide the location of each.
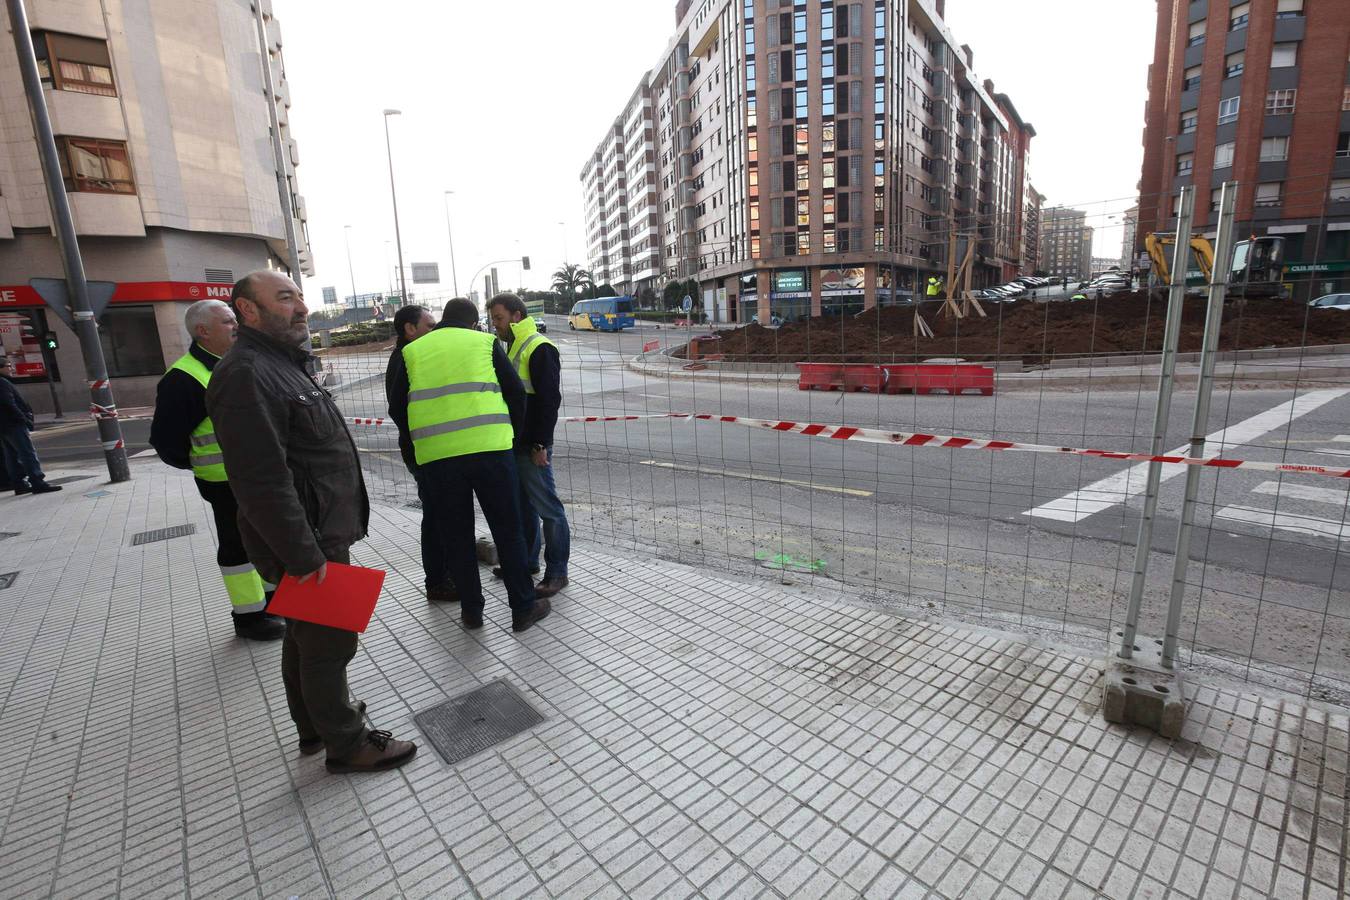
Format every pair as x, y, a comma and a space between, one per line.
570, 279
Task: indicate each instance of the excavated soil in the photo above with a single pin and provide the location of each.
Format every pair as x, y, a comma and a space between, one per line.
1034, 332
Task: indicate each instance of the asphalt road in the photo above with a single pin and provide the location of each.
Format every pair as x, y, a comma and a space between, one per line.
1037, 542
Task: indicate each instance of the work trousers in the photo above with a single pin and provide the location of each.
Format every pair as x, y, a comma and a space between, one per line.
449, 488
435, 552
314, 662
539, 500
245, 587
20, 458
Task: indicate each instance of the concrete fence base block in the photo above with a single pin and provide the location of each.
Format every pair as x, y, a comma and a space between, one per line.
1139, 691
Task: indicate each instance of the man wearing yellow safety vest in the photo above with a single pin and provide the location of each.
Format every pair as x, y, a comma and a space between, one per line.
462, 404
934, 286
539, 366
183, 436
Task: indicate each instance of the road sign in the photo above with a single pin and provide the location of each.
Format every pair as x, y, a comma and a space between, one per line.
53, 293
426, 273
688, 303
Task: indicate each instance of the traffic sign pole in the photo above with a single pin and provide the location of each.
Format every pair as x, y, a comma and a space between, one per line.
103, 407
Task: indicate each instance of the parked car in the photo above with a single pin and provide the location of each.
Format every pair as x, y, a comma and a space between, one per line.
1331, 301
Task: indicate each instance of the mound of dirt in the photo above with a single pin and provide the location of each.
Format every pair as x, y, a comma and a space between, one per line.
1033, 332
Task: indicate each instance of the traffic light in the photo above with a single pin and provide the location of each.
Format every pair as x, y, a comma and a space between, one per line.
49, 341
525, 263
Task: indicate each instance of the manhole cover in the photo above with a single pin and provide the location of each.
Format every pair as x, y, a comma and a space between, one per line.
96, 494
7, 579
470, 723
67, 479
162, 534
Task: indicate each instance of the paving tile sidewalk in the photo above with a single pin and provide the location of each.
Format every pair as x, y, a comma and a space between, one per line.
705, 736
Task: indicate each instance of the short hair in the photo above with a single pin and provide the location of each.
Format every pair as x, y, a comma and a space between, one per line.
512, 303
244, 289
199, 313
460, 312
407, 315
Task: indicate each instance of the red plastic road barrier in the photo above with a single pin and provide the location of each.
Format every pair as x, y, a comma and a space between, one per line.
864, 378
925, 378
819, 376
650, 346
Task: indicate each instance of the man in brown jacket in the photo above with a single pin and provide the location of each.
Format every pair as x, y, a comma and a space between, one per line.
302, 503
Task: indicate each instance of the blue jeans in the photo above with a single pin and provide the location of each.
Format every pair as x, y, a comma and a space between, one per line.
539, 500
435, 565
448, 487
20, 458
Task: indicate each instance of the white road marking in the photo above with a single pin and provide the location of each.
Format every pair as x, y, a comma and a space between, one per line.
1119, 488
1342, 438
852, 492
1329, 452
150, 452
1302, 492
1285, 521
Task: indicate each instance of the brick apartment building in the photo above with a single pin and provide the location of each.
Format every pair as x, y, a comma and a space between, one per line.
163, 127
1066, 243
803, 157
1255, 92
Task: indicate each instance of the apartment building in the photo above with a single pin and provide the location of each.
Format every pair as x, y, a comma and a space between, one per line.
1066, 243
1131, 228
164, 132
1255, 91
1031, 253
809, 157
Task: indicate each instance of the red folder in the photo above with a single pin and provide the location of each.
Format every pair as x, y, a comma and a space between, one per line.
345, 600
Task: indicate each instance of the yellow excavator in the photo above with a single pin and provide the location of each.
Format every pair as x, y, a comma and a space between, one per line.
1256, 270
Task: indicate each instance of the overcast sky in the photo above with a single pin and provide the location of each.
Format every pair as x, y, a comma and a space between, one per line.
502, 103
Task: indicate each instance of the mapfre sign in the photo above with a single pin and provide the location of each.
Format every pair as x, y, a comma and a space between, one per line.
131, 292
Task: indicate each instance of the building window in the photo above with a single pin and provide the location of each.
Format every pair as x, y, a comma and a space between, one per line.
1281, 103
1288, 9
1238, 15
1268, 194
1214, 197
1228, 110
1345, 100
1223, 155
1274, 149
1185, 163
827, 22
802, 102
1192, 78
70, 63
827, 62
130, 339
1197, 35
1340, 190
1188, 122
1284, 55
1343, 144
1234, 63
827, 100
100, 167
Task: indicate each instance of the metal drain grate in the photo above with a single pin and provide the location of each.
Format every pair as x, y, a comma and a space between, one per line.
7, 579
466, 725
162, 534
67, 479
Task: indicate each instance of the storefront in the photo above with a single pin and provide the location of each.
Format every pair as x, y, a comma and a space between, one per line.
842, 290
790, 299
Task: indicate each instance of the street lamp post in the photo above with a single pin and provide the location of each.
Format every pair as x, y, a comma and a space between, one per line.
454, 279
393, 195
347, 235
563, 226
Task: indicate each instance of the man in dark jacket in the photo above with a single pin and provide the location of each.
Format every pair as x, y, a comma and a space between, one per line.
302, 502
456, 395
16, 420
184, 437
410, 323
539, 365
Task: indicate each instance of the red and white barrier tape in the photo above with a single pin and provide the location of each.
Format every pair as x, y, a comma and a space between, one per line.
949, 442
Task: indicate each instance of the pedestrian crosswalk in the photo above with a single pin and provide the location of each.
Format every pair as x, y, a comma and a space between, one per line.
1326, 517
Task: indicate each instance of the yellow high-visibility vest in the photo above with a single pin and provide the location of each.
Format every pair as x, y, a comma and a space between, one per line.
208, 463
455, 404
527, 340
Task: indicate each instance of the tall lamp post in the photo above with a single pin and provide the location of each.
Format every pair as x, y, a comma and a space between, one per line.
393, 195
454, 279
563, 227
347, 235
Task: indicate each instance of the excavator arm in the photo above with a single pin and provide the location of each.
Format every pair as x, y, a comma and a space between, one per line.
1158, 245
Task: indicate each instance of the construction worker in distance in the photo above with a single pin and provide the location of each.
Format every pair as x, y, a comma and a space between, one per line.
462, 404
183, 437
934, 287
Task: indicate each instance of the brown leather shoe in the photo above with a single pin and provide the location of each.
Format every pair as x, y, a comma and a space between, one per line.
379, 751
443, 593
550, 586
542, 607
